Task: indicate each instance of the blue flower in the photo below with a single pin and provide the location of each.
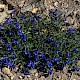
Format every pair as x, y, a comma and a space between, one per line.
75, 69
35, 53
9, 32
60, 53
29, 56
31, 64
50, 12
35, 29
49, 63
68, 53
75, 50
64, 19
8, 62
68, 61
8, 21
70, 29
68, 34
50, 71
74, 60
38, 18
7, 44
0, 40
20, 32
8, 49
37, 58
57, 43
25, 71
17, 25
57, 52
24, 37
13, 65
13, 12
56, 60
23, 17
1, 27
32, 21
43, 56
13, 56
13, 53
79, 39
16, 41
26, 51
50, 39
3, 59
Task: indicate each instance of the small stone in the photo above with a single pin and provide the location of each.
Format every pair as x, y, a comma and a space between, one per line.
69, 20
42, 78
56, 4
65, 70
33, 71
2, 6
35, 10
1, 9
11, 75
2, 18
64, 28
78, 64
49, 77
36, 74
64, 76
73, 76
36, 79
21, 3
0, 77
28, 76
6, 70
15, 70
20, 77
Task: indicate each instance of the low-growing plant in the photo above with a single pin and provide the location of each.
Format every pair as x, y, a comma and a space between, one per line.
38, 43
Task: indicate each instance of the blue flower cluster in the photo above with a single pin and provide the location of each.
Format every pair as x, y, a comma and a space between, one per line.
24, 40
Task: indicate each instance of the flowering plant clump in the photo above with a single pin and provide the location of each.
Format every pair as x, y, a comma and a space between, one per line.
38, 43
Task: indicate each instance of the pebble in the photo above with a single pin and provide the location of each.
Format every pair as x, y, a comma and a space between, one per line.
1, 9
36, 74
42, 78
11, 75
78, 63
35, 10
2, 6
69, 20
0, 77
20, 77
28, 76
2, 18
21, 3
56, 4
65, 70
6, 70
32, 71
73, 76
